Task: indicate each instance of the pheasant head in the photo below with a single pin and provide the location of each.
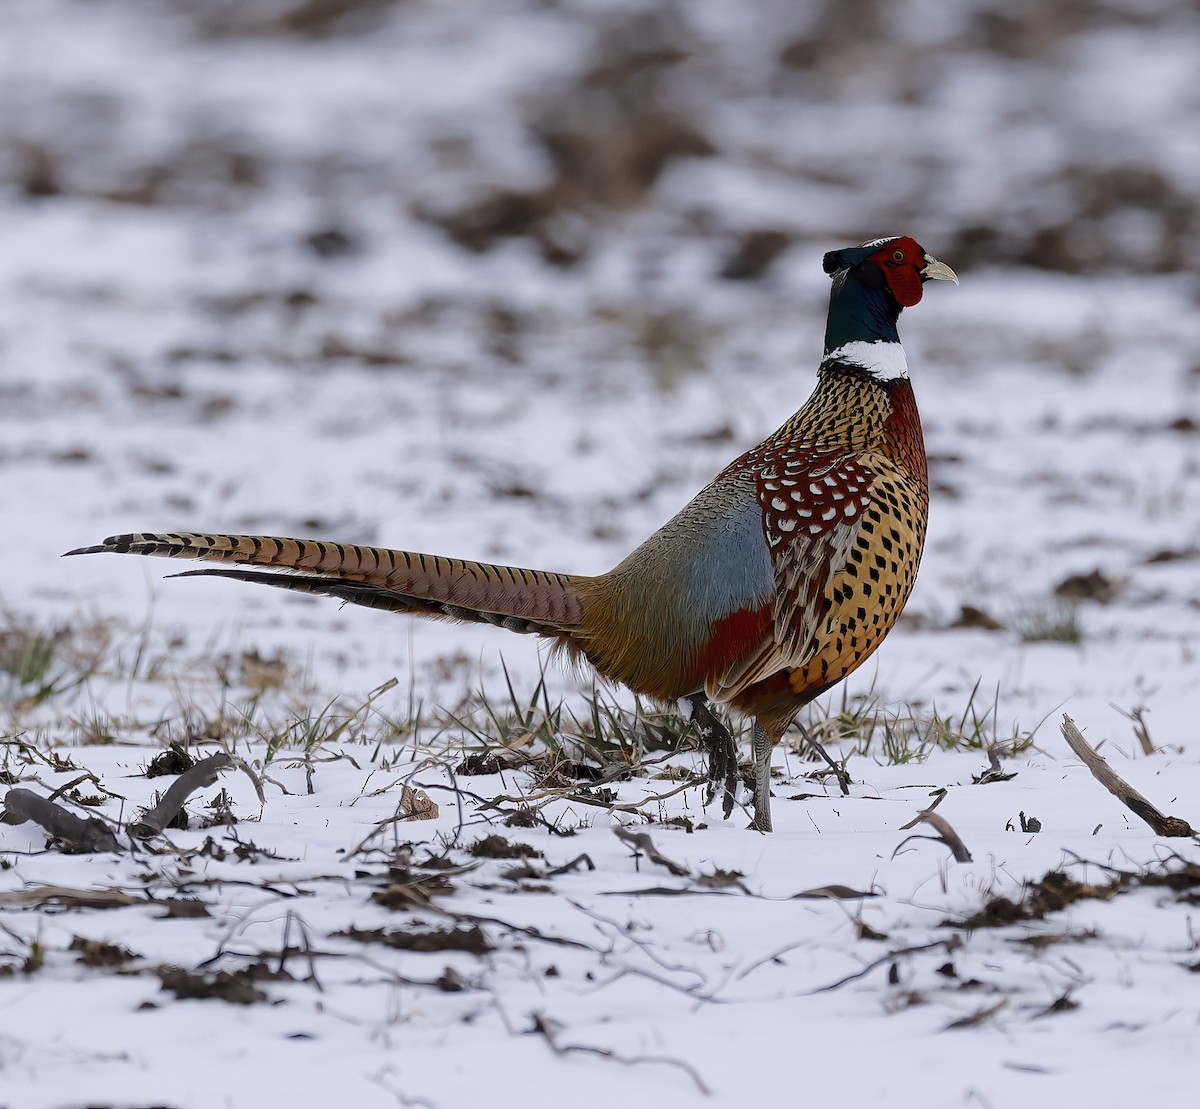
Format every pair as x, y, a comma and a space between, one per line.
872, 284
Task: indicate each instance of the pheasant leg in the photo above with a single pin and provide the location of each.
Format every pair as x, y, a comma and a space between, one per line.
763, 746
722, 753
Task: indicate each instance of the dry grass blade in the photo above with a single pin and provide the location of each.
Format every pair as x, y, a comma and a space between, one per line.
945, 833
1119, 788
70, 898
834, 892
838, 771
980, 1016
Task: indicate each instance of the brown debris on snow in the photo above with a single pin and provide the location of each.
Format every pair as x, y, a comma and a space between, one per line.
1050, 894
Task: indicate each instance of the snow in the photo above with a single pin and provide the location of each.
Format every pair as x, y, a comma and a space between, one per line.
177, 352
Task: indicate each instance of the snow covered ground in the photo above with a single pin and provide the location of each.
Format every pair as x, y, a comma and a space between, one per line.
512, 280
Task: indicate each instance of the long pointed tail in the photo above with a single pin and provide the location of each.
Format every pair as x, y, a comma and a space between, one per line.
398, 581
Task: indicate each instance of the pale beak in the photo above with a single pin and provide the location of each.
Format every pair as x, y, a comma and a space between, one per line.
937, 271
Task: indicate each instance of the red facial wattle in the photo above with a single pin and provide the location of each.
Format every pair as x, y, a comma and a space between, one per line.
901, 261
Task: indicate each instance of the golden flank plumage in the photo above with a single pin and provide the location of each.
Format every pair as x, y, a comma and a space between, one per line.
773, 584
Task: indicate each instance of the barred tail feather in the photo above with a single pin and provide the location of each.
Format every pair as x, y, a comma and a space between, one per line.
398, 581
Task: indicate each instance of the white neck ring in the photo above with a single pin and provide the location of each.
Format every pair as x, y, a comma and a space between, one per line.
882, 360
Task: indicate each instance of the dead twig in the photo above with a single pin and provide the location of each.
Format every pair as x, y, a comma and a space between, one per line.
571, 793
978, 1017
529, 931
838, 771
255, 780
671, 891
1141, 730
202, 774
952, 944
994, 772
529, 870
640, 841
620, 932
543, 1027
77, 834
1119, 788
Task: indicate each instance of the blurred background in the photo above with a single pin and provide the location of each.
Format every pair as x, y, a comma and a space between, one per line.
512, 279
1058, 134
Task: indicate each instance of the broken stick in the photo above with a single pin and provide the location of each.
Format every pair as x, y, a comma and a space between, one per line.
75, 833
1118, 787
202, 774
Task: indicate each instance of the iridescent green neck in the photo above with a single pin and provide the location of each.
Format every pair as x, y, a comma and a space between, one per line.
861, 328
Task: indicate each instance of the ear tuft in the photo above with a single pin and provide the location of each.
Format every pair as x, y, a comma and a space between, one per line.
833, 261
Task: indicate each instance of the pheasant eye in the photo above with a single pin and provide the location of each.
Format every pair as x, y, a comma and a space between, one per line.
897, 256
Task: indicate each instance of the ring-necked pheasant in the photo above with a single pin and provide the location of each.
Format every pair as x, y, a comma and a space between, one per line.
773, 584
